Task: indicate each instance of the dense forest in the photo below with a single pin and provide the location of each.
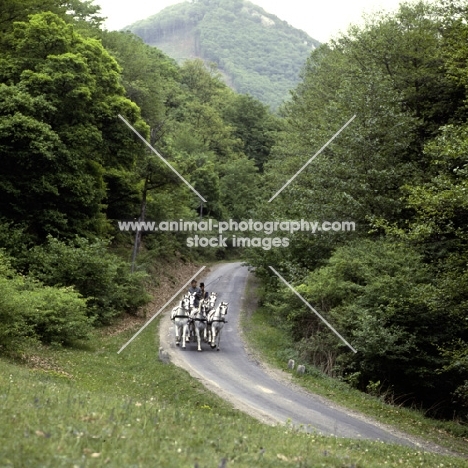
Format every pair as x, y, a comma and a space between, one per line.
257, 53
396, 287
71, 169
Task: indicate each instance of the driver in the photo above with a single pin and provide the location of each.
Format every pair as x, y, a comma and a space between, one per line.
198, 294
203, 293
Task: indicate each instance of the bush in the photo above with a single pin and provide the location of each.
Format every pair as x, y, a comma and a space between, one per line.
14, 329
381, 296
58, 315
100, 276
30, 311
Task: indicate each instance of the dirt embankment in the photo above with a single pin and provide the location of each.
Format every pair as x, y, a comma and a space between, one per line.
168, 277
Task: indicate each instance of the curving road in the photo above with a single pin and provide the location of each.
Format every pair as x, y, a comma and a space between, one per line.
235, 376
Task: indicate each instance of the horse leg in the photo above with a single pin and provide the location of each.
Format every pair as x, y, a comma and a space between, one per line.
205, 331
212, 334
177, 337
198, 338
219, 336
184, 332
215, 333
189, 331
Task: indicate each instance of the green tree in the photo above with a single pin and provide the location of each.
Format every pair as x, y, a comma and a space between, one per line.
150, 79
401, 163
254, 125
240, 189
382, 297
100, 276
81, 13
61, 95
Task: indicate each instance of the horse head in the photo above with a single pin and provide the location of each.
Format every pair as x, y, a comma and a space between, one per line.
185, 303
223, 308
212, 299
183, 307
191, 298
204, 306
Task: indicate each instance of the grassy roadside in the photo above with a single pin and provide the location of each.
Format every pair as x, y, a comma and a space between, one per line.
92, 407
272, 345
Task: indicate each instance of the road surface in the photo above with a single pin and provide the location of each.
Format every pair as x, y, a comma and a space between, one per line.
249, 386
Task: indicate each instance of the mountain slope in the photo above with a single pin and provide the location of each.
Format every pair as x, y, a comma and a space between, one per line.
257, 52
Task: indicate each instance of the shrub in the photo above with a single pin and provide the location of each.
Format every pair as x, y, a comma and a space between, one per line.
380, 295
30, 311
100, 276
14, 330
58, 315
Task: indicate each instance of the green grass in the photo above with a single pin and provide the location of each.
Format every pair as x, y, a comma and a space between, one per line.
275, 347
91, 407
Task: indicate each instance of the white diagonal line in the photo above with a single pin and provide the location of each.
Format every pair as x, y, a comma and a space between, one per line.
160, 310
162, 159
312, 158
312, 309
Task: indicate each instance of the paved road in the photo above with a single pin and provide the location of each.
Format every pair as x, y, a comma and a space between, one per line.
240, 379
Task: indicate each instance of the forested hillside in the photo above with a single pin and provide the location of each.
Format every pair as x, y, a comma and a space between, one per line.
71, 169
257, 53
397, 287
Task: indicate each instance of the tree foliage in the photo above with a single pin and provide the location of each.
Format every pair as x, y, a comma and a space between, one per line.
30, 312
71, 168
59, 133
396, 287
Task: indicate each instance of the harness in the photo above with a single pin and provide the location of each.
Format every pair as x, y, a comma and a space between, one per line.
221, 319
180, 316
217, 313
199, 319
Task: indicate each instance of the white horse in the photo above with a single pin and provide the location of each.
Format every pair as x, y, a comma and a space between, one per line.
216, 321
198, 317
211, 306
191, 296
180, 316
212, 300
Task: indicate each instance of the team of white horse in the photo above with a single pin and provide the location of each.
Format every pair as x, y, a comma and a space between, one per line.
206, 320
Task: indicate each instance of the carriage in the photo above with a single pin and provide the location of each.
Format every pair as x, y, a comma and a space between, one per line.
203, 322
